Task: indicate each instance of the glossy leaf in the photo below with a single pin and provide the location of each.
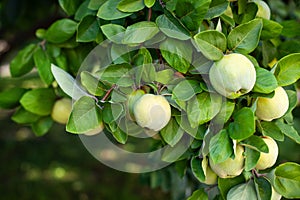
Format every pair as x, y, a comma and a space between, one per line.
23, 62
287, 69
225, 113
251, 158
185, 90
199, 194
225, 184
196, 166
88, 29
130, 5
271, 29
245, 37
216, 8
243, 125
288, 130
85, 116
256, 143
23, 116
84, 11
109, 11
43, 64
272, 130
140, 32
164, 76
286, 179
197, 132
113, 32
61, 30
263, 188
69, 6
178, 54
203, 108
211, 43
242, 191
92, 84
172, 27
39, 101
95, 4
220, 147
171, 133
149, 3
42, 126
10, 98
67, 83
265, 81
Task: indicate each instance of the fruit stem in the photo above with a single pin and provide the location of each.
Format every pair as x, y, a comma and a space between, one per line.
149, 14
108, 93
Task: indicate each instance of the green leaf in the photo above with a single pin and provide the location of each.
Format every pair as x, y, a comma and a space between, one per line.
39, 101
288, 130
164, 76
10, 98
286, 180
203, 108
88, 29
271, 29
95, 4
263, 188
85, 116
178, 54
140, 32
109, 11
69, 6
220, 147
43, 64
171, 133
245, 37
121, 53
246, 11
265, 81
293, 100
23, 62
225, 184
67, 83
185, 90
287, 69
92, 84
118, 74
42, 126
112, 112
130, 5
291, 28
243, 125
172, 27
84, 11
22, 116
61, 30
113, 32
149, 3
192, 12
242, 191
120, 135
199, 194
251, 159
196, 167
211, 43
256, 143
272, 130
226, 111
197, 132
216, 8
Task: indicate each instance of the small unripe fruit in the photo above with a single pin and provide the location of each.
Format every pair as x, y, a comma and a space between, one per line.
268, 109
61, 110
132, 99
152, 111
231, 167
267, 160
233, 75
263, 9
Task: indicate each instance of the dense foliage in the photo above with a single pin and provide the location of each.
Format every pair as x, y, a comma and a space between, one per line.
105, 51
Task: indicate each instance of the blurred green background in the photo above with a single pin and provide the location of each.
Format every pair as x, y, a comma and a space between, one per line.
57, 166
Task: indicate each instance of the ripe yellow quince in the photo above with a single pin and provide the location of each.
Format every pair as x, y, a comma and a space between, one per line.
152, 111
268, 109
231, 167
267, 160
233, 75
